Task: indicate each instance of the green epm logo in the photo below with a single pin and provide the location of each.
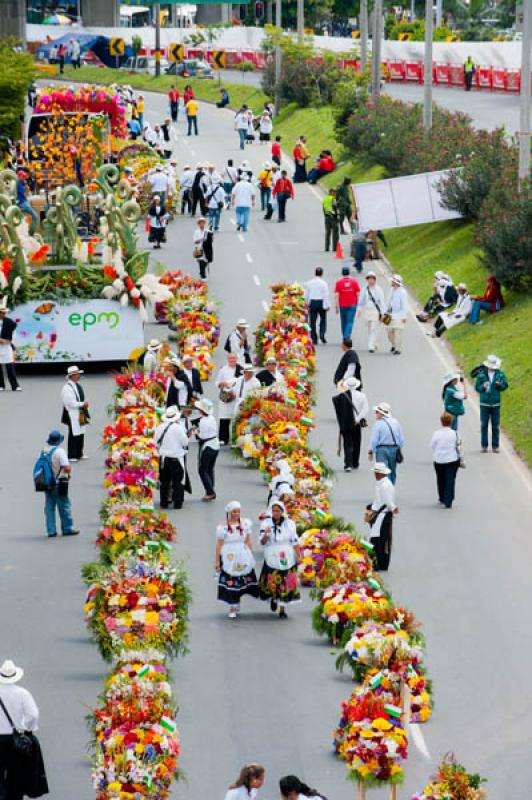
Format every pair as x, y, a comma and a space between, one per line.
89, 319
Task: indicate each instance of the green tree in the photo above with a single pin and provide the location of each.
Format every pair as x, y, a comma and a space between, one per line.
16, 74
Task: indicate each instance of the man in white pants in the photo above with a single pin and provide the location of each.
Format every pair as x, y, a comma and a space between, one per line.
397, 307
371, 305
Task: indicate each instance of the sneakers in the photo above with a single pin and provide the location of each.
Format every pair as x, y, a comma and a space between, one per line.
232, 613
52, 535
84, 458
71, 533
18, 389
73, 460
347, 469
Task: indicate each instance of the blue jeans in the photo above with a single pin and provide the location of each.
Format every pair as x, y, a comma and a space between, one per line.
360, 255
454, 423
347, 318
51, 501
242, 134
488, 413
387, 455
478, 306
214, 218
265, 195
242, 217
25, 206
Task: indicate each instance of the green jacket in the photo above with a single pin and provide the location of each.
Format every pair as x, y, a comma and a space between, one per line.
343, 200
491, 396
454, 405
329, 206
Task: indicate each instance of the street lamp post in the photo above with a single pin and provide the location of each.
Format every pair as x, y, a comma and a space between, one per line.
524, 117
157, 12
427, 77
300, 19
376, 51
279, 25
363, 34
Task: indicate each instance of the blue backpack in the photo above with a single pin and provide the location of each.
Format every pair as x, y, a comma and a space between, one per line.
43, 472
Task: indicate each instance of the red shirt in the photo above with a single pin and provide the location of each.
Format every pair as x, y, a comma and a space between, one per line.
276, 149
188, 94
173, 95
347, 290
284, 185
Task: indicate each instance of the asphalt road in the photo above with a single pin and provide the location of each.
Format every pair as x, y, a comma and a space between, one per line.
487, 109
259, 689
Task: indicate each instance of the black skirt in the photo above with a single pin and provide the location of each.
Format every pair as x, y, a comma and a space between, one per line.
231, 588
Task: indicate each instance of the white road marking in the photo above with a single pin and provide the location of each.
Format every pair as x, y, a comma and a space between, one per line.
256, 279
419, 740
265, 306
241, 237
249, 258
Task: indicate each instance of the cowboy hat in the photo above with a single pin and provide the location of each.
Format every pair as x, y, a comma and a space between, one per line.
73, 370
242, 323
398, 279
383, 408
381, 468
204, 405
171, 413
370, 274
492, 362
271, 360
10, 673
232, 506
154, 344
350, 383
173, 361
187, 357
248, 368
55, 438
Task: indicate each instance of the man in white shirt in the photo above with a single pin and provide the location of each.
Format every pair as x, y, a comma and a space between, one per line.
238, 342
158, 181
397, 307
225, 383
270, 374
385, 509
172, 443
22, 708
241, 125
243, 199
185, 181
75, 413
56, 496
244, 385
317, 299
371, 305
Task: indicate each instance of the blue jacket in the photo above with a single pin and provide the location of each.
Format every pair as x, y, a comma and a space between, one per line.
491, 396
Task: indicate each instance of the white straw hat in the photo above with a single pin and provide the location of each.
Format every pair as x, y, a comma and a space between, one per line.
383, 408
492, 362
242, 323
398, 279
204, 405
154, 344
171, 413
73, 370
10, 673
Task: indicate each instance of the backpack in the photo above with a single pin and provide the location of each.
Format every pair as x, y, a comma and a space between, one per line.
43, 472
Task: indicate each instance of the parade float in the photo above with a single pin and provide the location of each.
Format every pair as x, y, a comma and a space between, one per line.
76, 299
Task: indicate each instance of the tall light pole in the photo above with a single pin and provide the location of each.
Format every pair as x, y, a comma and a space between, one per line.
363, 34
157, 12
279, 25
300, 19
439, 12
427, 77
376, 51
524, 117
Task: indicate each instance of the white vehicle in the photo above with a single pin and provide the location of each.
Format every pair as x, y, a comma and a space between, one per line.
145, 64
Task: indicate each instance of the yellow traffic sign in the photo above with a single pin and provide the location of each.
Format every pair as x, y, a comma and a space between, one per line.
117, 46
176, 52
405, 37
219, 60
355, 34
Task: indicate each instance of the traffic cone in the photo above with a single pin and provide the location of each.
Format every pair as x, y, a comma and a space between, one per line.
339, 251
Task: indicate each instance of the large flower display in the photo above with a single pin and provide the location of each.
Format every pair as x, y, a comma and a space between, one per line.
136, 607
453, 782
381, 642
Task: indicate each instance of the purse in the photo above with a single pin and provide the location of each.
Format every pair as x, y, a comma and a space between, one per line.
84, 417
399, 457
226, 395
386, 318
197, 252
22, 743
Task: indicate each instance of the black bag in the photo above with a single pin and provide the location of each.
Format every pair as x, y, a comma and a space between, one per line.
22, 742
383, 543
476, 370
35, 781
450, 295
399, 457
227, 345
65, 417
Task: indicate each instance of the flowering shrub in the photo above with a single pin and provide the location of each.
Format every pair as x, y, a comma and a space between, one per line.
505, 232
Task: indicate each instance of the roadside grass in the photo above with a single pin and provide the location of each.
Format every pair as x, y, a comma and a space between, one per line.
204, 89
416, 252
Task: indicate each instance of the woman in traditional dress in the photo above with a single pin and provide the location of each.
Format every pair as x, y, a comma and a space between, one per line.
234, 562
282, 481
278, 579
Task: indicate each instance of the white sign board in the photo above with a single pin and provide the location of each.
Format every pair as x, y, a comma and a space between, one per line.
88, 330
396, 202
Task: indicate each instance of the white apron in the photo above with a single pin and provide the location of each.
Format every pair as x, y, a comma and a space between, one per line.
6, 354
72, 404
